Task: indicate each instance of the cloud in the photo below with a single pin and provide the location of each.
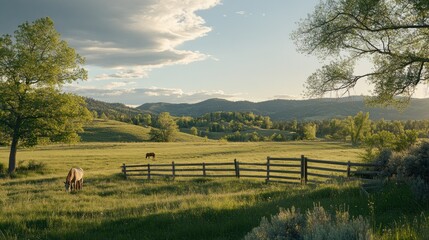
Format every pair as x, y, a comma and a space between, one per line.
287, 97
240, 12
136, 96
129, 36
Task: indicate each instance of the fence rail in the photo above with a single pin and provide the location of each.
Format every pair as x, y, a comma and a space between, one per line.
285, 170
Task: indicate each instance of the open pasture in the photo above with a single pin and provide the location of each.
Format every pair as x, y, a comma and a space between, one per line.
109, 207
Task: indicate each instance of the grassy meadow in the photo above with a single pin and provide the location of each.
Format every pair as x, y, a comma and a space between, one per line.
35, 205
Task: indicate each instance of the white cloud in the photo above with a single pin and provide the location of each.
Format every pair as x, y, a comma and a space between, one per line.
240, 12
130, 36
116, 85
288, 97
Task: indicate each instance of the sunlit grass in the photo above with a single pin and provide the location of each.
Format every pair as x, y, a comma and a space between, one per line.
35, 206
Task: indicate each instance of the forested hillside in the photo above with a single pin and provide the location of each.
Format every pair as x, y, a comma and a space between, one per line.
313, 109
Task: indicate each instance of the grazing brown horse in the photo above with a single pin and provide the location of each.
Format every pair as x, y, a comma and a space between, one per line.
74, 180
150, 154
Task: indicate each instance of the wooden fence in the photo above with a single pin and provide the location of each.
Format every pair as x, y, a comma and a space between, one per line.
284, 170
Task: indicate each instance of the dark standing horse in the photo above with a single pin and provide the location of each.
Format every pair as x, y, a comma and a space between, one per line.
150, 154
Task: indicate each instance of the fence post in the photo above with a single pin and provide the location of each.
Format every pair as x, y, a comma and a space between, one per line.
305, 170
148, 171
348, 169
174, 169
237, 168
204, 169
124, 170
268, 169
302, 169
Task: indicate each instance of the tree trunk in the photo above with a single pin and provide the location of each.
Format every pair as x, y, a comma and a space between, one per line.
12, 155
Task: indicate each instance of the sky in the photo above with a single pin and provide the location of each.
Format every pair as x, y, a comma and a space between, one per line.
180, 51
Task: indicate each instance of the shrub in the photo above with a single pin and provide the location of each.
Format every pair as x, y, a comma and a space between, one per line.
32, 166
316, 224
323, 226
411, 166
417, 163
287, 224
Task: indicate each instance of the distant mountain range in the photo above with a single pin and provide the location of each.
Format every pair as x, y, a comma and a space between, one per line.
313, 109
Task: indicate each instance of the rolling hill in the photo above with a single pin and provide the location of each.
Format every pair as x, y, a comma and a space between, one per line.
115, 131
313, 109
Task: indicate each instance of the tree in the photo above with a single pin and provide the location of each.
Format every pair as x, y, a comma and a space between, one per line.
34, 65
194, 131
309, 131
392, 35
103, 116
381, 140
147, 119
358, 126
267, 124
94, 114
167, 128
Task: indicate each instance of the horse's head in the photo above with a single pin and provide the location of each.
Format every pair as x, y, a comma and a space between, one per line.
67, 186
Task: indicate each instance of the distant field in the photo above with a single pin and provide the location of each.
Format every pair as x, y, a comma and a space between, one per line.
109, 207
260, 131
106, 158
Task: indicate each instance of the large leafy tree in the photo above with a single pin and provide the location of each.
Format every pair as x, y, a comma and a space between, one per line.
167, 128
34, 64
391, 34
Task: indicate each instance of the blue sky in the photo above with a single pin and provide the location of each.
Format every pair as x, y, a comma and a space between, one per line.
177, 51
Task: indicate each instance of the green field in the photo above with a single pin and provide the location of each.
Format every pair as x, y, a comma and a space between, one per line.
35, 206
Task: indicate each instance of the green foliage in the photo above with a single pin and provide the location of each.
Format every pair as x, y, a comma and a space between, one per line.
194, 131
35, 64
380, 140
316, 224
226, 121
235, 137
167, 128
309, 131
416, 162
358, 126
156, 135
391, 34
147, 119
278, 137
411, 166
